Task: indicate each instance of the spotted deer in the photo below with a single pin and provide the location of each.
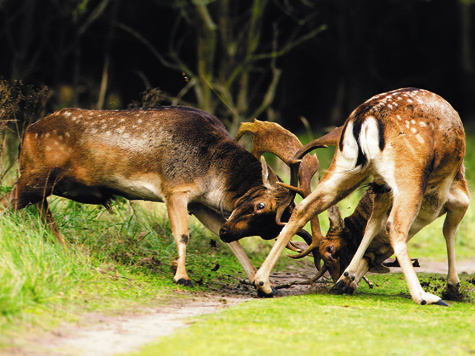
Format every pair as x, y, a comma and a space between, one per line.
179, 155
412, 143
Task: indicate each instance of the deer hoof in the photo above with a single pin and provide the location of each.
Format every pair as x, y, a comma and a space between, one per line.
184, 282
441, 302
262, 294
274, 293
338, 288
452, 292
341, 287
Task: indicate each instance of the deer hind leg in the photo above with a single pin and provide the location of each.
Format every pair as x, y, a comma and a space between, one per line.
178, 216
213, 222
22, 195
48, 220
457, 206
348, 281
7, 201
405, 209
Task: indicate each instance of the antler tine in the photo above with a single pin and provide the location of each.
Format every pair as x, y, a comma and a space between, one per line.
320, 273
330, 139
293, 189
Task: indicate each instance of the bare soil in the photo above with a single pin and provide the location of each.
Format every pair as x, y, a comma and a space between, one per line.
102, 335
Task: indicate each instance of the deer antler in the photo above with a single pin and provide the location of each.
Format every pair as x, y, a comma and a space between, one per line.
273, 138
332, 139
270, 137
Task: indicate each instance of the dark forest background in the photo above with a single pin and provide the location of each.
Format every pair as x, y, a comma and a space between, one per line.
239, 59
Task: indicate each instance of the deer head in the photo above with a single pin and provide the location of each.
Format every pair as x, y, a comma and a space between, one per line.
272, 203
254, 213
341, 242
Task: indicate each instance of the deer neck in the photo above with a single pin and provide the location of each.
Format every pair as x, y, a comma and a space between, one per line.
232, 175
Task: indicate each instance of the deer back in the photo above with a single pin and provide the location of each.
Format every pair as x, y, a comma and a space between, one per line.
403, 129
90, 155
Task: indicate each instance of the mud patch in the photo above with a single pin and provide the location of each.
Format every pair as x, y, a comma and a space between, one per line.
286, 283
438, 286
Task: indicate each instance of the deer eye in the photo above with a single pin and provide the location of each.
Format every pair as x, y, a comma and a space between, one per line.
260, 206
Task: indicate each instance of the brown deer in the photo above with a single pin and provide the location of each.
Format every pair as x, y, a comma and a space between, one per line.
413, 144
178, 155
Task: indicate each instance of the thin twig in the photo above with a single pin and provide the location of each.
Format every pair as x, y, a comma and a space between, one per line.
241, 280
286, 285
310, 282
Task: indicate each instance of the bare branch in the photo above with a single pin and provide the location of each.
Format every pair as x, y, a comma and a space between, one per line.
147, 44
270, 94
98, 11
290, 45
205, 16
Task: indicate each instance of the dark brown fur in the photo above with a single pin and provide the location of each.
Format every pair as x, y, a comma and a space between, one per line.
179, 155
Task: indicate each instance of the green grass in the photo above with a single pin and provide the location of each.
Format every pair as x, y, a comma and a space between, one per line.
381, 321
119, 261
114, 262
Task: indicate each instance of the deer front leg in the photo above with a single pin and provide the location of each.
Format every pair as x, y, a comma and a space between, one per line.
456, 206
348, 281
261, 280
213, 222
178, 216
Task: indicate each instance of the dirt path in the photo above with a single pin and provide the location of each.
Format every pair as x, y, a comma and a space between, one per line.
100, 335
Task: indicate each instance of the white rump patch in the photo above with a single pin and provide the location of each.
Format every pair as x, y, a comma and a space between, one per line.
369, 138
349, 154
368, 141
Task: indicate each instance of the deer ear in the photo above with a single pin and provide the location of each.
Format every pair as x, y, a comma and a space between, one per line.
334, 215
269, 178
